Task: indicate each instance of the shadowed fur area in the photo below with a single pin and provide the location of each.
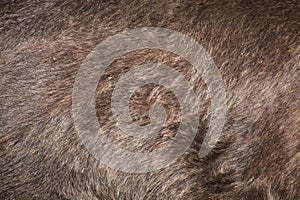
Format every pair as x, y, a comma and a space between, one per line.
254, 44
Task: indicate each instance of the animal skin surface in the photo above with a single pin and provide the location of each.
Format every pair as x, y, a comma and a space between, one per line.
255, 47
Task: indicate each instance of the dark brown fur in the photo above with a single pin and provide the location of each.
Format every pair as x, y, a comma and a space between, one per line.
255, 45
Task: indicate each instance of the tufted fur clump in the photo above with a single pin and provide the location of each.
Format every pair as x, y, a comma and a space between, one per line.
255, 45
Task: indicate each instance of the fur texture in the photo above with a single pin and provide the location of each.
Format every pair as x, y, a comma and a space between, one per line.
255, 45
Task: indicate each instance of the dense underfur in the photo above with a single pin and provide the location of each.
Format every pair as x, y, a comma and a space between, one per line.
255, 45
